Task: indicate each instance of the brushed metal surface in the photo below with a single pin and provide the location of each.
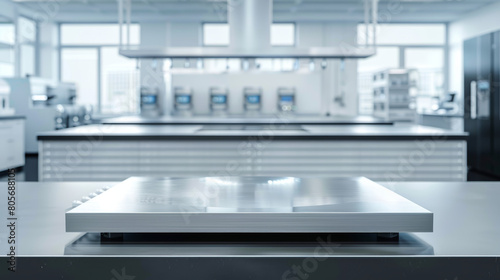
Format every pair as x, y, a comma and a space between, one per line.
466, 221
227, 52
103, 131
249, 204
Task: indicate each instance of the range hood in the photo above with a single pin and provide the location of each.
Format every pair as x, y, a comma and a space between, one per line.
250, 35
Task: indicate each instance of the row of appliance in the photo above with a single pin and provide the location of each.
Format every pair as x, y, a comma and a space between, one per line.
218, 100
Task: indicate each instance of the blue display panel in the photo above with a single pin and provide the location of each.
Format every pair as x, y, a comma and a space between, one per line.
219, 99
183, 99
253, 99
286, 98
148, 99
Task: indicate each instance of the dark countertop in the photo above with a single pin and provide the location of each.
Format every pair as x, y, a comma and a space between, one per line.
330, 132
442, 115
249, 120
464, 243
13, 117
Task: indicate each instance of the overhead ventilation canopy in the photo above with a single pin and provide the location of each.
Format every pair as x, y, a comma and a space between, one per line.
228, 52
250, 34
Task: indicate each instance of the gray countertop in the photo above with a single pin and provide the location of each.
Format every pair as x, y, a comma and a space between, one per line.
465, 224
13, 117
248, 119
144, 132
442, 115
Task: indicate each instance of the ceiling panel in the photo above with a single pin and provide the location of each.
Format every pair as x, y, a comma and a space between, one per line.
284, 10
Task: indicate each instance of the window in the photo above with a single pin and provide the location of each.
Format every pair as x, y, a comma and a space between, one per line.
27, 34
217, 34
410, 46
27, 30
406, 34
98, 34
7, 35
27, 60
80, 65
7, 41
119, 82
283, 34
386, 57
93, 48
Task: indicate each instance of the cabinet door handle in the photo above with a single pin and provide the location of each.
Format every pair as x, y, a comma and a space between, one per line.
473, 100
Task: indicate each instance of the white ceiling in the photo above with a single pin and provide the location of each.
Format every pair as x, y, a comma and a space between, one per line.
284, 10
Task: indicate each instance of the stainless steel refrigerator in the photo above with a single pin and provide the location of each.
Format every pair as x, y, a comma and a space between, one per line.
482, 102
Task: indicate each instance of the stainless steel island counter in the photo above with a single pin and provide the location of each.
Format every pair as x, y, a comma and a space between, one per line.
386, 152
463, 245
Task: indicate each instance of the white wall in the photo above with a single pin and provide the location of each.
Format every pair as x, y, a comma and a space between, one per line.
185, 34
482, 21
8, 9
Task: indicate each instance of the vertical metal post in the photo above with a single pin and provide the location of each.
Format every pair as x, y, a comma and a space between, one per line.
446, 67
402, 57
99, 79
120, 21
367, 22
128, 8
374, 19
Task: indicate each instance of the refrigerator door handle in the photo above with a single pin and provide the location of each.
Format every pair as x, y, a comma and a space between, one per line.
473, 100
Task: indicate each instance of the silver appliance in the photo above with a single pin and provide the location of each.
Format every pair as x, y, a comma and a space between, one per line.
219, 99
47, 105
183, 101
286, 99
72, 116
150, 103
253, 99
248, 205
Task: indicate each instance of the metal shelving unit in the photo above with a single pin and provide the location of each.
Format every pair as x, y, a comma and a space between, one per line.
392, 98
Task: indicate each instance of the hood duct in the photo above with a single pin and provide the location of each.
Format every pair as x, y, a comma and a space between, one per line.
250, 24
250, 37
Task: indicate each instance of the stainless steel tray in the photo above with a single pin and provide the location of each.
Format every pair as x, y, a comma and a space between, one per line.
249, 204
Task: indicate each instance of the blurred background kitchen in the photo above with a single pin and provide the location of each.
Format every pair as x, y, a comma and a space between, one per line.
356, 73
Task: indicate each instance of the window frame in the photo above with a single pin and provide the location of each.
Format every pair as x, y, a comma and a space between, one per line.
35, 44
98, 47
11, 47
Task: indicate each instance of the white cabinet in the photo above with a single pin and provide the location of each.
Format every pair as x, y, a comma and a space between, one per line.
11, 143
379, 160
